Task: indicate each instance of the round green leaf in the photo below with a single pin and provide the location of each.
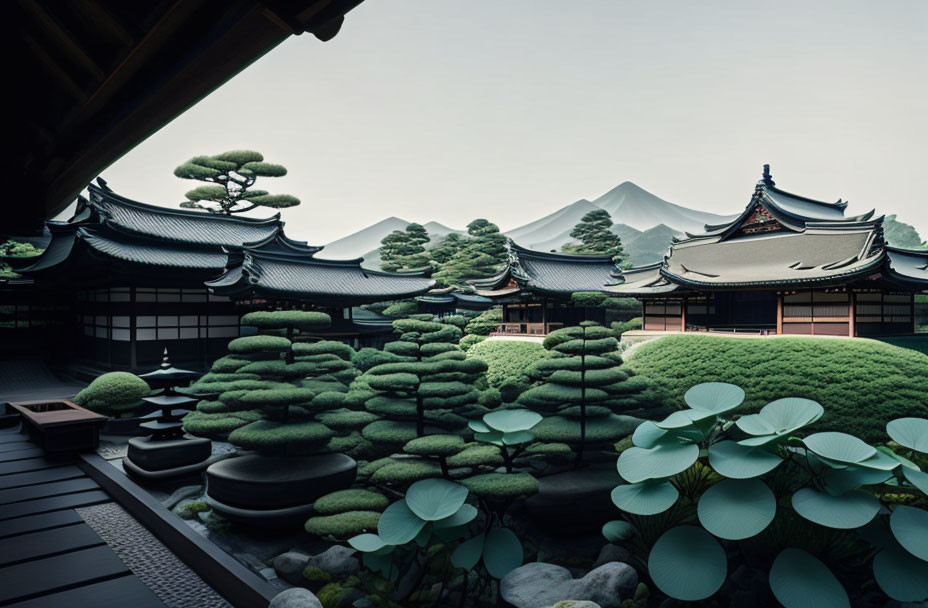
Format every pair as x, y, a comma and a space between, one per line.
510, 421
367, 543
645, 498
683, 419
491, 437
737, 461
844, 512
647, 434
735, 509
468, 553
919, 479
434, 499
879, 461
465, 515
517, 437
478, 426
502, 552
905, 462
754, 424
911, 433
841, 481
910, 527
665, 459
687, 564
799, 580
617, 530
839, 447
398, 524
790, 414
714, 397
901, 576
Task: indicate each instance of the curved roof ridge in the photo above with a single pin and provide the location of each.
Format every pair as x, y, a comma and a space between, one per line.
552, 255
111, 196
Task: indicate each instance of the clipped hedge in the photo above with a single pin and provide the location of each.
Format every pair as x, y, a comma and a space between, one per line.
113, 394
343, 526
507, 360
485, 323
501, 486
862, 384
259, 344
350, 500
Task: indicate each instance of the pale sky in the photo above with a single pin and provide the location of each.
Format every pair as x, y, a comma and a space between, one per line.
449, 110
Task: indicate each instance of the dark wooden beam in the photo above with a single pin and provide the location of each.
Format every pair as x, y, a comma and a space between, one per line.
60, 35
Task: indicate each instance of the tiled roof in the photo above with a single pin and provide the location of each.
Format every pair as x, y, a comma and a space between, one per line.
907, 264
57, 250
643, 281
304, 277
180, 225
150, 253
560, 273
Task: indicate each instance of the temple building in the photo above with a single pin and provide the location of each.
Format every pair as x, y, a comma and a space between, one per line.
122, 280
788, 264
535, 289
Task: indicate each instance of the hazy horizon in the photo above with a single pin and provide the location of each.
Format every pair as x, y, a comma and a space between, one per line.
455, 110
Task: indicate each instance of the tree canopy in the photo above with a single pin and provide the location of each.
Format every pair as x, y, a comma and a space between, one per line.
230, 176
595, 237
481, 254
403, 250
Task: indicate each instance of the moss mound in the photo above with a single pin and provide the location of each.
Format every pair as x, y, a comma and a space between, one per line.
862, 384
113, 394
501, 486
343, 526
350, 500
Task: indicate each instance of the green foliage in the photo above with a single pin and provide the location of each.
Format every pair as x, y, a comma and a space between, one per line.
405, 471
17, 249
216, 425
435, 445
259, 344
587, 298
350, 500
507, 360
502, 487
900, 234
401, 309
342, 526
291, 439
596, 238
861, 384
620, 327
485, 323
113, 394
481, 254
404, 250
469, 341
230, 176
826, 485
287, 319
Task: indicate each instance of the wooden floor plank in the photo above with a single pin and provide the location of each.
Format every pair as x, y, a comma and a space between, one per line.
11, 436
31, 464
54, 573
16, 445
53, 503
36, 477
30, 452
49, 542
43, 490
123, 592
34, 523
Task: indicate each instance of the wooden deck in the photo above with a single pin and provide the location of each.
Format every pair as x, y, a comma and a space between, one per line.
49, 556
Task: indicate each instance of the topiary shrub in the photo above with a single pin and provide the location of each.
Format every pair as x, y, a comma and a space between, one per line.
350, 500
485, 323
508, 361
467, 342
501, 487
115, 394
620, 327
401, 309
343, 526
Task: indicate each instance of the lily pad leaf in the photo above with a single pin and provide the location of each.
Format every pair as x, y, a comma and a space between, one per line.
919, 479
683, 419
839, 447
735, 509
842, 481
434, 499
398, 524
467, 555
843, 512
479, 427
647, 434
880, 461
714, 397
754, 424
737, 461
509, 421
502, 552
367, 543
517, 437
687, 564
465, 515
799, 580
491, 437
618, 530
901, 576
645, 498
665, 459
910, 433
790, 414
910, 527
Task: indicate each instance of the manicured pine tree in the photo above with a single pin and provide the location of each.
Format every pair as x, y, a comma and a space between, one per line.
596, 238
582, 385
403, 250
230, 176
483, 254
449, 245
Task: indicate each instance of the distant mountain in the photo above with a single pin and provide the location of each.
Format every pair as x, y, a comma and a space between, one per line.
366, 242
644, 222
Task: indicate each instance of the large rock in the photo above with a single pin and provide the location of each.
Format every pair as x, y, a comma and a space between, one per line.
257, 482
290, 565
539, 585
612, 553
337, 560
295, 598
575, 502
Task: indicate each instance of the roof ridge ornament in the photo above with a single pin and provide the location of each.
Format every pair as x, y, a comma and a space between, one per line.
767, 178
